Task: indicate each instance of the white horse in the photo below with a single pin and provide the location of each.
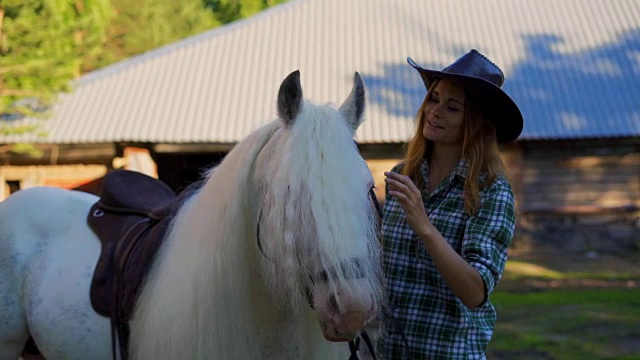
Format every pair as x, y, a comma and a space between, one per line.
218, 288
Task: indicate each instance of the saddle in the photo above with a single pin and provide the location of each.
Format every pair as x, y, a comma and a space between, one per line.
131, 220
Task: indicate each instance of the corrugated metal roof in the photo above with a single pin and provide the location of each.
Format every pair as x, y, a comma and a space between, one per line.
573, 66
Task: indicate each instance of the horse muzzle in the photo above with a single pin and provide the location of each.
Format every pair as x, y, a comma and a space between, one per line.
347, 328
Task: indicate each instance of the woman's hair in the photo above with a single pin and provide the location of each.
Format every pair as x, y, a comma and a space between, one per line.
479, 148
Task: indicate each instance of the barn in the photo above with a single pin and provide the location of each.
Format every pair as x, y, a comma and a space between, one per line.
572, 66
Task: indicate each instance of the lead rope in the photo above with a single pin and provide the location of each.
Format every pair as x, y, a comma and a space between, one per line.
372, 194
354, 346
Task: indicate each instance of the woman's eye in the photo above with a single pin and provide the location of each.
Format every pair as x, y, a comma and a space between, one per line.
454, 109
433, 99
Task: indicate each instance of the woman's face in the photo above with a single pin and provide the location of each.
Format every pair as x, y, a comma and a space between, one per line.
444, 114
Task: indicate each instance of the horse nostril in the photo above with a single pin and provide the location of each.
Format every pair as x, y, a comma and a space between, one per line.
333, 304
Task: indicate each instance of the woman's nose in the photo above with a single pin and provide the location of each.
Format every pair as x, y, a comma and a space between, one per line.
437, 110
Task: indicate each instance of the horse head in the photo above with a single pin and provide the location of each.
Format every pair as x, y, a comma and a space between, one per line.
317, 226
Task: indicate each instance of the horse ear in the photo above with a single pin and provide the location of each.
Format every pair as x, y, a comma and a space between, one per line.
290, 97
353, 107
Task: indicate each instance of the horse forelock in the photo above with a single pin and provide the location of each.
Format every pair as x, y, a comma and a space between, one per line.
316, 206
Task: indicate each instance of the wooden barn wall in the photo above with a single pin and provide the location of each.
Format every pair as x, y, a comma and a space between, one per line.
14, 178
577, 195
580, 195
79, 167
580, 179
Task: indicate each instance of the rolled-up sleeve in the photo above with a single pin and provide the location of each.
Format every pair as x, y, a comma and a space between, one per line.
488, 234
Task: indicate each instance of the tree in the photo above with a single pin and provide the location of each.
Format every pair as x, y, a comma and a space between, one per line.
43, 45
230, 10
150, 24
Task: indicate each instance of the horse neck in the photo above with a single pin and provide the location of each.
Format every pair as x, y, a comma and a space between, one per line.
227, 209
212, 245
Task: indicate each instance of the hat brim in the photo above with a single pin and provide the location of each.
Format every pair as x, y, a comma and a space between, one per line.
493, 101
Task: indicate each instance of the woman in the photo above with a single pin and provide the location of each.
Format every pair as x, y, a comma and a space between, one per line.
449, 216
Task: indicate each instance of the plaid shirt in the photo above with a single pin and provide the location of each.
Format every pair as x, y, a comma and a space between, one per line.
436, 324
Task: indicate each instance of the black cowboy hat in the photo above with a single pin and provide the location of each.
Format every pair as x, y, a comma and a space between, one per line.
482, 80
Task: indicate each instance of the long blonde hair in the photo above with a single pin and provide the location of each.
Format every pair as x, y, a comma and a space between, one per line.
479, 147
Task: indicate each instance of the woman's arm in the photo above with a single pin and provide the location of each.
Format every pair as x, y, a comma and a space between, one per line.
463, 280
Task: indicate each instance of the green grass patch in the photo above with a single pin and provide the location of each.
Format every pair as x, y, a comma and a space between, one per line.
567, 324
516, 270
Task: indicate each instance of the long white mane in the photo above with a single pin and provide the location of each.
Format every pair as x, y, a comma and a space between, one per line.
194, 282
315, 169
212, 291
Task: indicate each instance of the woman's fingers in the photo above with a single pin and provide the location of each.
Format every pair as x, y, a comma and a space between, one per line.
408, 195
398, 195
400, 183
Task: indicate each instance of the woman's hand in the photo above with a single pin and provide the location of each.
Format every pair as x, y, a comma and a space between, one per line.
410, 198
463, 279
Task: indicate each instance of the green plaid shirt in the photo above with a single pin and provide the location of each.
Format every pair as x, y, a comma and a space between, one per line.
436, 324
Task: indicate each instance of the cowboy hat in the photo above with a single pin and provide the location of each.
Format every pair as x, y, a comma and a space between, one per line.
482, 80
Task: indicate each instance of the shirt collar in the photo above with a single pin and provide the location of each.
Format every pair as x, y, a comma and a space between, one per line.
461, 170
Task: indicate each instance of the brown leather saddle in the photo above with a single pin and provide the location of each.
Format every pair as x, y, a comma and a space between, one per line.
131, 220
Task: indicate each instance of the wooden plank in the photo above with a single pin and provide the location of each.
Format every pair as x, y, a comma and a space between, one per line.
582, 184
579, 209
562, 199
54, 171
542, 171
628, 187
632, 159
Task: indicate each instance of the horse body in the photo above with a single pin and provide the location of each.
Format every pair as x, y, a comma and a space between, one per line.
46, 251
284, 220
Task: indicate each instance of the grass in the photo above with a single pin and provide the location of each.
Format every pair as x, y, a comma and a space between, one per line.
517, 270
562, 323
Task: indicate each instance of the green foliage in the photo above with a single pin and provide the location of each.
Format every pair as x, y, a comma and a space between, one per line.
26, 149
519, 270
148, 24
46, 43
17, 130
230, 10
43, 45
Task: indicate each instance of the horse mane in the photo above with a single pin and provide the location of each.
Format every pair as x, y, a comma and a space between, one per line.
210, 282
195, 273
